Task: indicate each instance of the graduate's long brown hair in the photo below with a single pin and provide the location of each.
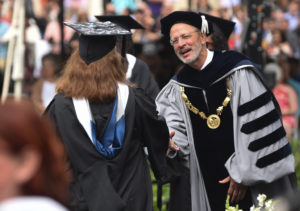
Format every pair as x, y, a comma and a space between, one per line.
96, 81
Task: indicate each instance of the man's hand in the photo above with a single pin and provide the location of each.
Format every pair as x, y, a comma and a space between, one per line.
236, 191
172, 145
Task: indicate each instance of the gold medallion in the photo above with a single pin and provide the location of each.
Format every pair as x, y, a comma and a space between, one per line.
213, 121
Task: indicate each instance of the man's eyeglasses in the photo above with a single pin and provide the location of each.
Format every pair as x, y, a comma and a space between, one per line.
183, 37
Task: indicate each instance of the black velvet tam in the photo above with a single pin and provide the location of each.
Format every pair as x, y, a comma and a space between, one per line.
190, 18
97, 38
220, 25
126, 21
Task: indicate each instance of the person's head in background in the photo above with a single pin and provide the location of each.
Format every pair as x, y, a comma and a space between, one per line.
82, 16
109, 9
32, 160
277, 15
51, 66
293, 8
222, 29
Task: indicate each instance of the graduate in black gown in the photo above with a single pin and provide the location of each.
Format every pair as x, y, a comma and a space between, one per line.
138, 71
105, 124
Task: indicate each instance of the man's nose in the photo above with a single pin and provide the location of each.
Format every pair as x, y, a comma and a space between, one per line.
181, 42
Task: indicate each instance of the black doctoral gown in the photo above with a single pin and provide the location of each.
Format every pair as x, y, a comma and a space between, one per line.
244, 146
213, 146
143, 78
123, 183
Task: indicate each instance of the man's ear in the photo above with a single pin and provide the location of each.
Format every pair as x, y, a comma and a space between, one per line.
203, 38
29, 163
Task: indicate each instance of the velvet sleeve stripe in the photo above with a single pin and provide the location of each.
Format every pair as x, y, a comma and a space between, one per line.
254, 104
274, 156
267, 140
260, 122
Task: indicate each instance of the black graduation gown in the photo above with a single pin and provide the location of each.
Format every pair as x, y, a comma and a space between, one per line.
123, 183
143, 78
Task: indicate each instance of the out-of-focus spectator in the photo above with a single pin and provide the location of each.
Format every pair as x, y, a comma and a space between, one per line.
287, 98
109, 9
44, 88
32, 32
229, 3
4, 27
75, 4
52, 31
204, 6
293, 38
147, 37
82, 16
269, 25
41, 19
73, 8
292, 15
278, 15
32, 37
283, 5
278, 47
32, 161
239, 17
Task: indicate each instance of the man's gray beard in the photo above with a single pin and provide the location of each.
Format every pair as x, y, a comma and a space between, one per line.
198, 48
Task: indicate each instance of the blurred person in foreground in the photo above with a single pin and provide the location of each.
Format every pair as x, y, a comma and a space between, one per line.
229, 135
104, 124
33, 169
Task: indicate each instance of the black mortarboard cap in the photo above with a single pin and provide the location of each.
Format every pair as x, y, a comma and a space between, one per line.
126, 21
97, 38
187, 17
220, 25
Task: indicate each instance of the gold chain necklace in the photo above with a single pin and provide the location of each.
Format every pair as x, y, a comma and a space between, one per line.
213, 121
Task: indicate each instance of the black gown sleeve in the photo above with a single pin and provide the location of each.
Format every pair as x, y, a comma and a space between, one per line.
50, 112
155, 135
143, 78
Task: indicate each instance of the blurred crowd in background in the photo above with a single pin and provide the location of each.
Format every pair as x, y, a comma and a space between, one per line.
44, 57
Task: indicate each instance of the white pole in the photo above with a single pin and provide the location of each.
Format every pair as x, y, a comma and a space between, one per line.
18, 68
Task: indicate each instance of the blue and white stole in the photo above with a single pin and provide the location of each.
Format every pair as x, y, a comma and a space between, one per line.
113, 137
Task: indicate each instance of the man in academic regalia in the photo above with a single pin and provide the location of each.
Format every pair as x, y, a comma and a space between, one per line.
105, 125
229, 136
138, 71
